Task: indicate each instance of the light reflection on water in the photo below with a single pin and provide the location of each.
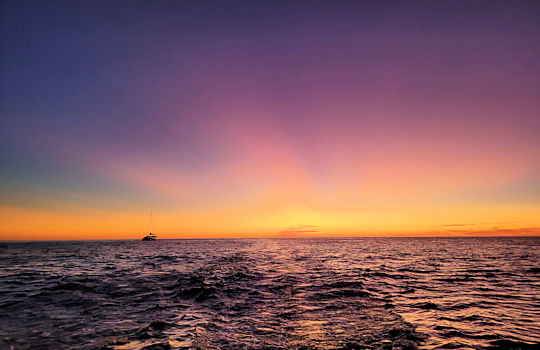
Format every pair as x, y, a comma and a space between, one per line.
271, 293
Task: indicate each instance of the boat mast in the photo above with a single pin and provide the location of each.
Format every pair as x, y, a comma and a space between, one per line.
150, 220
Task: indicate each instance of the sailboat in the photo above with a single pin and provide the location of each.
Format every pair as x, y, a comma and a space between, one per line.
151, 236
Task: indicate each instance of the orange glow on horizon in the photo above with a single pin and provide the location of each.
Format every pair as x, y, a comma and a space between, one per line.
28, 224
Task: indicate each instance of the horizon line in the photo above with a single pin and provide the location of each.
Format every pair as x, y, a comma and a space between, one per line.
268, 237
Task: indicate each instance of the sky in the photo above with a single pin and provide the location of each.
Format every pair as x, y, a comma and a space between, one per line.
269, 118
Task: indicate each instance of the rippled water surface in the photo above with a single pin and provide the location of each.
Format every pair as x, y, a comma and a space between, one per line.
390, 293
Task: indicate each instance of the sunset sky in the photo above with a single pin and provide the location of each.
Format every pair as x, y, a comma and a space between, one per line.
269, 118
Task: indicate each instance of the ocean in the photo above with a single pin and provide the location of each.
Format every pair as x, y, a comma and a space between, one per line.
324, 293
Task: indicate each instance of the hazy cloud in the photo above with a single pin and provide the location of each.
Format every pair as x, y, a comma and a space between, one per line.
476, 224
519, 231
299, 230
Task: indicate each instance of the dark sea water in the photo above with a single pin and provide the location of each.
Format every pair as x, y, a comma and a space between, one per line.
367, 293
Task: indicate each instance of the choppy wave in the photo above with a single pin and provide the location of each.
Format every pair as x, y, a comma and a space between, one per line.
271, 294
